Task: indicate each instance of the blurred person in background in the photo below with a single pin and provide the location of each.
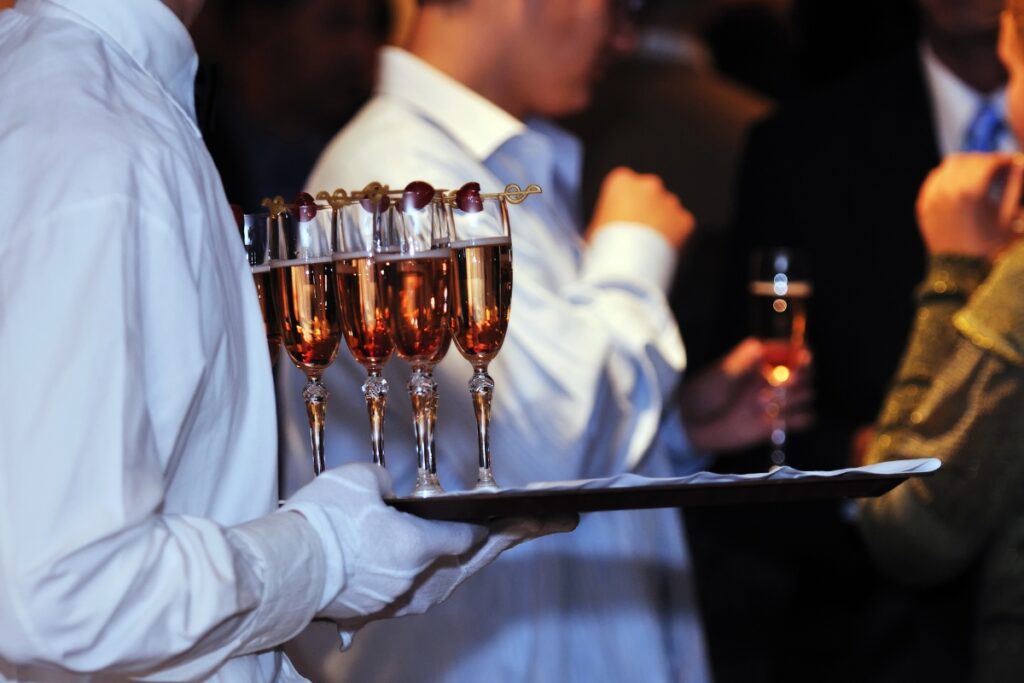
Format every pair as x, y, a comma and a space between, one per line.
664, 108
959, 395
140, 535
843, 167
587, 376
283, 76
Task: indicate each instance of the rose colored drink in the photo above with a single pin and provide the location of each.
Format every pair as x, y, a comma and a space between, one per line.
483, 297
310, 325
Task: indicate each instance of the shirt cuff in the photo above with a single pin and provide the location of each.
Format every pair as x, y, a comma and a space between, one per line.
286, 556
630, 251
994, 317
685, 457
952, 276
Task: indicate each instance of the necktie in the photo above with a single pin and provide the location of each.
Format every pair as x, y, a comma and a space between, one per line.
986, 127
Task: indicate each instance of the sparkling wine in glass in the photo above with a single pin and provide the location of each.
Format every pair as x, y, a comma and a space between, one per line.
415, 268
256, 235
364, 313
779, 289
306, 289
482, 254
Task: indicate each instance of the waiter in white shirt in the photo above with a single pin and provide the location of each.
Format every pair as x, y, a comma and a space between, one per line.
138, 537
585, 380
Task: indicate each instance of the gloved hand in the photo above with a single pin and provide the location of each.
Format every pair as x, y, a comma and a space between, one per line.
383, 563
434, 585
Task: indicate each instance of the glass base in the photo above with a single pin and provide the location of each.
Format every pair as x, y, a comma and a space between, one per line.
427, 485
485, 481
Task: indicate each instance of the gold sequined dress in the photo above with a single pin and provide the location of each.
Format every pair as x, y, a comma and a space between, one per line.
959, 396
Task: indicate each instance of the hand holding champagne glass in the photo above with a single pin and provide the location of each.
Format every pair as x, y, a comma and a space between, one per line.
307, 291
779, 290
482, 247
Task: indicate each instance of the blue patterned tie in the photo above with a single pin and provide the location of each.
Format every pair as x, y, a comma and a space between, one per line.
986, 127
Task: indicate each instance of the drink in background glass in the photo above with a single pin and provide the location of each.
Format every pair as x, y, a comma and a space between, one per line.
779, 291
482, 254
306, 290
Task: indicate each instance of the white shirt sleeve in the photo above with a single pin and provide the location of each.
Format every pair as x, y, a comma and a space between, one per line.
94, 575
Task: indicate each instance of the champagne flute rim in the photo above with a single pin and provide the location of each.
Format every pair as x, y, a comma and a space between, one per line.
314, 260
792, 288
352, 255
498, 240
436, 252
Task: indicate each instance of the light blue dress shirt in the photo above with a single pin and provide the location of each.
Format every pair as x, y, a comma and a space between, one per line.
583, 387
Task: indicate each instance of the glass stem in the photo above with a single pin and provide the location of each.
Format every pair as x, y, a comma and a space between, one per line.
778, 435
481, 388
375, 391
431, 421
422, 389
315, 395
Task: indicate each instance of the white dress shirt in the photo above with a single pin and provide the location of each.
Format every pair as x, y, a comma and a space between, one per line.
582, 383
138, 423
954, 104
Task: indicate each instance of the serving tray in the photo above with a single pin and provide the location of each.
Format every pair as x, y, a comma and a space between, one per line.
630, 492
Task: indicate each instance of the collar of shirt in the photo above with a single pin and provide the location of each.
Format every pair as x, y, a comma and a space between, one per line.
954, 104
476, 123
147, 30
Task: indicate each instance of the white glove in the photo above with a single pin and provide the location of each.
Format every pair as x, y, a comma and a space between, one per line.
383, 563
441, 579
445, 575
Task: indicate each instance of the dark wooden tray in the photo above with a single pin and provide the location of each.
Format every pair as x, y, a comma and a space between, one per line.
483, 506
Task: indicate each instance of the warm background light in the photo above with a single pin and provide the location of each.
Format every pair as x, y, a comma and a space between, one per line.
780, 375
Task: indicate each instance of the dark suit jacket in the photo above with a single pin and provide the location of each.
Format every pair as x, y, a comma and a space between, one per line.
838, 176
789, 593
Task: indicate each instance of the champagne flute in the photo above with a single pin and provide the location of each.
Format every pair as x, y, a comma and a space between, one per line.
256, 234
482, 247
415, 274
364, 315
779, 290
307, 291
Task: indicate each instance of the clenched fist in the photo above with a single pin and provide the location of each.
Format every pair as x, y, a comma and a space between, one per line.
641, 198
